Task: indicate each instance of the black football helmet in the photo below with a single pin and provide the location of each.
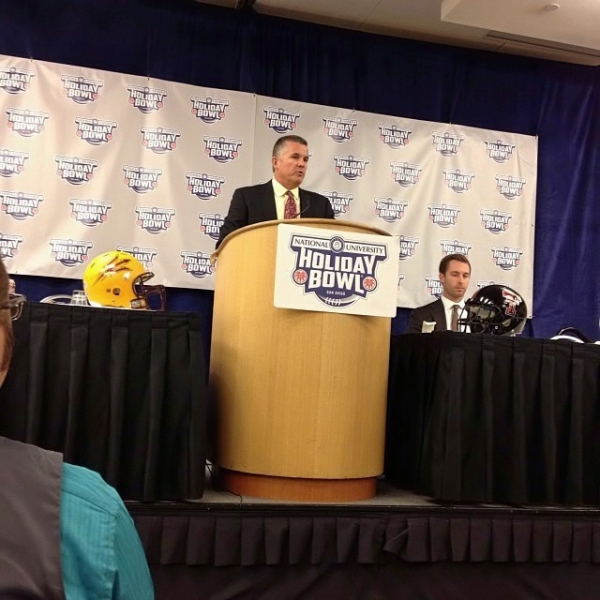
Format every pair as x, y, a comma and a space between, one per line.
495, 309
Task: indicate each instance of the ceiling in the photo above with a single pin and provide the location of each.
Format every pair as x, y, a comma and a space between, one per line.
564, 30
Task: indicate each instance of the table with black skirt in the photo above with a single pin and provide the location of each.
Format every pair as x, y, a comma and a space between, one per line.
481, 418
122, 392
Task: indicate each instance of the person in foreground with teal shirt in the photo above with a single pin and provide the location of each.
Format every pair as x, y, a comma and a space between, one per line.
65, 534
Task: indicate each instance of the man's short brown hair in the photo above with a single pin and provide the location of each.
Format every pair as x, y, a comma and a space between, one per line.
282, 141
446, 261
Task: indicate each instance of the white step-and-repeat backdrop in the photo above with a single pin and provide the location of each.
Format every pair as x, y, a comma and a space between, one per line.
92, 161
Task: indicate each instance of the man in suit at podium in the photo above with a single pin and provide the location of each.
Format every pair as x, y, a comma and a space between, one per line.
454, 274
280, 198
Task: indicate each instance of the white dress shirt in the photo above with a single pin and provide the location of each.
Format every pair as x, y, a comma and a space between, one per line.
281, 197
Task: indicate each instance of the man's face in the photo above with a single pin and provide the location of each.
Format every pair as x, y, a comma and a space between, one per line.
289, 168
455, 280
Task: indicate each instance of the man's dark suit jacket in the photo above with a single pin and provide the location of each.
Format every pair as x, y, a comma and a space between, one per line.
434, 311
256, 203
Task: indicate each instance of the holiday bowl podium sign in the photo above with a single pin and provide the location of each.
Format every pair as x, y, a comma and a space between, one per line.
336, 271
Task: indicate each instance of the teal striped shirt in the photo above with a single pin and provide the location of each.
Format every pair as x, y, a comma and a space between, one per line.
102, 556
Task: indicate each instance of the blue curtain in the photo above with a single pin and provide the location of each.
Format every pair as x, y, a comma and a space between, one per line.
182, 40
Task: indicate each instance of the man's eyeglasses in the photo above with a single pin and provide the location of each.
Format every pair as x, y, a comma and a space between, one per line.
15, 305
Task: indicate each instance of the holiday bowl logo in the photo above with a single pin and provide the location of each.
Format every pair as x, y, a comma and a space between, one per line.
70, 253
434, 286
337, 270
389, 210
89, 212
446, 144
140, 179
26, 122
509, 186
159, 139
154, 220
506, 258
9, 245
443, 215
209, 110
146, 99
406, 174
210, 225
485, 282
350, 167
95, 131
221, 149
338, 129
280, 120
144, 255
204, 186
458, 181
408, 246
12, 162
81, 90
455, 247
499, 151
15, 81
19, 205
340, 202
393, 136
75, 170
196, 264
495, 221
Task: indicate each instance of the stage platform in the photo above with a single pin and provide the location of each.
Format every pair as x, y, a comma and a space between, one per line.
396, 545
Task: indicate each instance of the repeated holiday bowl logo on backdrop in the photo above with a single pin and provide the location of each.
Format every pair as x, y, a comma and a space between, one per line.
499, 151
154, 219
141, 179
506, 258
455, 247
12, 162
196, 264
458, 181
443, 215
222, 149
15, 81
94, 131
204, 186
209, 110
74, 170
81, 90
389, 210
26, 122
70, 253
210, 225
350, 167
408, 246
338, 129
509, 186
447, 144
146, 99
495, 221
20, 205
341, 203
160, 139
433, 285
90, 212
393, 136
9, 245
405, 174
280, 120
336, 269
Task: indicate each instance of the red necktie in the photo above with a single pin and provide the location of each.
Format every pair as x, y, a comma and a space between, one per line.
289, 211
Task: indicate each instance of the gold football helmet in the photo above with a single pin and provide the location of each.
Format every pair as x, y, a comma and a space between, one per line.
118, 280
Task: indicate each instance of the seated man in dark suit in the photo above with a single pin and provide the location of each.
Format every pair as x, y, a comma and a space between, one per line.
280, 198
455, 274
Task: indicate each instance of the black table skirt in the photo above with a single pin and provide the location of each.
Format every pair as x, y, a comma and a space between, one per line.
120, 392
478, 418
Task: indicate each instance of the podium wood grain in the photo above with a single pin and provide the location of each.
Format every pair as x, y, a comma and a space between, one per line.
299, 394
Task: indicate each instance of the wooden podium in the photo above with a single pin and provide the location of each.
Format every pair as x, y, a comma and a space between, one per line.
300, 396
